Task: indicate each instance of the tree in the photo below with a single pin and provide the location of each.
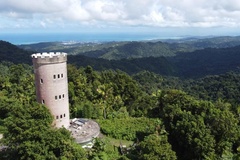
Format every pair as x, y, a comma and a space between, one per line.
225, 128
198, 129
155, 147
106, 98
103, 150
30, 136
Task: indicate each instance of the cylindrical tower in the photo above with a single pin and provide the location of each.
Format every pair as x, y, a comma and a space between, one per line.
51, 83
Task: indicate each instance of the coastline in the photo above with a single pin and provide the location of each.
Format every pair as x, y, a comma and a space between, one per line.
31, 38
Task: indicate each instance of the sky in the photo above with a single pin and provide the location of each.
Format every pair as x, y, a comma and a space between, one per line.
173, 17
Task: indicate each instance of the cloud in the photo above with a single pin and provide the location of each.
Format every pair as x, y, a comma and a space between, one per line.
157, 13
31, 6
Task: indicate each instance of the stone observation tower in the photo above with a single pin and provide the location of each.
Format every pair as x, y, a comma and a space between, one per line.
51, 83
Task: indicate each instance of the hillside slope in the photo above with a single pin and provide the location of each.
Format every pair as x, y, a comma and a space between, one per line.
208, 61
12, 53
140, 49
199, 63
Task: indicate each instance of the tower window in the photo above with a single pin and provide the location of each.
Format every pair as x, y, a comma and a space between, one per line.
55, 97
54, 76
43, 102
58, 75
60, 96
64, 115
60, 116
41, 81
62, 75
63, 95
56, 117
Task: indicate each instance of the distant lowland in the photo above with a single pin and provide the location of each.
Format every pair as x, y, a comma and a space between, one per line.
191, 57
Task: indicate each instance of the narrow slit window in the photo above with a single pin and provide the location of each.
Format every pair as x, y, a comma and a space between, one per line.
55, 97
63, 95
58, 75
43, 102
41, 81
60, 96
56, 117
62, 75
60, 116
54, 76
64, 115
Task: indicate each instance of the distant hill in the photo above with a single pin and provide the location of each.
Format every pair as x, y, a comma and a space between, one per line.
128, 50
12, 53
158, 65
110, 50
209, 61
198, 63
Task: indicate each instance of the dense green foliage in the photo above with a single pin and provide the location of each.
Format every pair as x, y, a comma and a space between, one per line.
128, 128
30, 136
197, 125
203, 130
106, 94
188, 128
27, 125
155, 147
225, 87
166, 117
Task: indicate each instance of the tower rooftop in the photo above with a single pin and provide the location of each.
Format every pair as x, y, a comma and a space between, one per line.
48, 54
49, 57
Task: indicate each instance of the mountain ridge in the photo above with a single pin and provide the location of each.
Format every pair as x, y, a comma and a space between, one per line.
135, 49
195, 64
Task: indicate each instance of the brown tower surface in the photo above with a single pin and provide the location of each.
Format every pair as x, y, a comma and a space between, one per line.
51, 83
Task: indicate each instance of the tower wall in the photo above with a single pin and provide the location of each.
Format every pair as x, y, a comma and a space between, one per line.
51, 83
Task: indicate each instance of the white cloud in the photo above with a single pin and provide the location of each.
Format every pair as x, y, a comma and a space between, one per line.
43, 24
162, 13
74, 12
31, 6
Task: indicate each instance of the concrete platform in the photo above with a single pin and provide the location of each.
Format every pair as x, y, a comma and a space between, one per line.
84, 130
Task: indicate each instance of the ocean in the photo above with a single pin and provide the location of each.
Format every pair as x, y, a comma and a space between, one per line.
29, 38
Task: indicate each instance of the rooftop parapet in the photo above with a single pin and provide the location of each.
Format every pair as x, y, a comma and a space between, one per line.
51, 57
